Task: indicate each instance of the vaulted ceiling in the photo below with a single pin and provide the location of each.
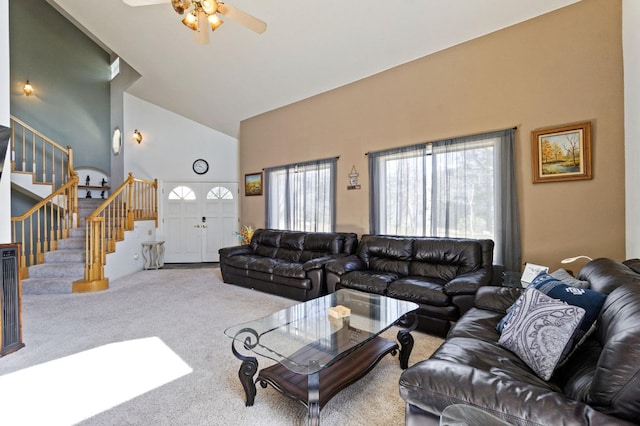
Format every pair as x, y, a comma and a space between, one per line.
309, 47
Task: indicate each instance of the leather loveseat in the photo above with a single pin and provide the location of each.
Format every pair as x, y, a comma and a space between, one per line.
286, 263
441, 275
599, 384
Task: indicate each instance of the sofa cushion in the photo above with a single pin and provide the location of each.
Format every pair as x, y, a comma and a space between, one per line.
242, 261
321, 244
445, 258
605, 275
540, 330
386, 254
290, 269
616, 383
291, 245
265, 242
264, 264
368, 281
419, 290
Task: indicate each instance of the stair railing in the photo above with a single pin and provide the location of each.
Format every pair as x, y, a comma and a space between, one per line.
135, 199
39, 228
33, 152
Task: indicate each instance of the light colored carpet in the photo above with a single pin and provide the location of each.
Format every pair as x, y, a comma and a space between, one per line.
184, 312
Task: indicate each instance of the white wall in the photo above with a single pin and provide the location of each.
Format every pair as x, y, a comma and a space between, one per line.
5, 180
631, 47
128, 257
170, 145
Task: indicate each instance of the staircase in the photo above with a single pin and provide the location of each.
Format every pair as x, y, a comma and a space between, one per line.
66, 264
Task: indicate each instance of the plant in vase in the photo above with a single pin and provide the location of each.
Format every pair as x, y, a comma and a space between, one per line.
245, 234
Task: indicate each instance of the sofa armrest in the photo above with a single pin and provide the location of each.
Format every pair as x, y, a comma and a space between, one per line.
235, 251
497, 299
468, 283
432, 385
342, 265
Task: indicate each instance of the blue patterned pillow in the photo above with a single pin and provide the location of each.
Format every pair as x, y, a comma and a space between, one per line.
589, 300
540, 330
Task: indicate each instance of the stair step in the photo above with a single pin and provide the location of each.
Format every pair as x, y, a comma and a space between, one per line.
69, 270
65, 256
47, 286
71, 244
79, 232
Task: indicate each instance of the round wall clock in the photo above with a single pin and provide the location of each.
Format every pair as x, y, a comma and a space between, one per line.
200, 166
116, 141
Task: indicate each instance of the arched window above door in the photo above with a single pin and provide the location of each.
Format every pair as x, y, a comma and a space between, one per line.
182, 193
219, 193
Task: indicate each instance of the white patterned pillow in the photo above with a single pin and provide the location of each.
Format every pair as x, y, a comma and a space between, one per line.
539, 330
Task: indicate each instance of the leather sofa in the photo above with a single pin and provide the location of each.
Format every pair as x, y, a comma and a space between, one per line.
599, 384
441, 275
286, 263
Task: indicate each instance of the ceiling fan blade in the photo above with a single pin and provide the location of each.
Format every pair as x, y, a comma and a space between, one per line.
243, 18
135, 3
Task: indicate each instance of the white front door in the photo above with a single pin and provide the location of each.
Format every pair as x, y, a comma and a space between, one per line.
199, 219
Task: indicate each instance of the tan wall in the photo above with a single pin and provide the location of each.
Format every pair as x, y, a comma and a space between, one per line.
563, 67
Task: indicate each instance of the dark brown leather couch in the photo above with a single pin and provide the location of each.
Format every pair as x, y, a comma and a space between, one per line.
598, 385
286, 263
441, 275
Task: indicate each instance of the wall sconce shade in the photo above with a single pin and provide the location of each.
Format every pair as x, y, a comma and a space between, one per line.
27, 89
137, 136
573, 259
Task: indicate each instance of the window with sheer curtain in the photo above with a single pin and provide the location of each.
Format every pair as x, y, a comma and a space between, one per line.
301, 197
462, 188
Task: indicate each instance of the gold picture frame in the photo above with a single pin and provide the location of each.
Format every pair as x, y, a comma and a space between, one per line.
561, 153
253, 184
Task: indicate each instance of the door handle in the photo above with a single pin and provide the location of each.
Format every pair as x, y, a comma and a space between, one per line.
204, 219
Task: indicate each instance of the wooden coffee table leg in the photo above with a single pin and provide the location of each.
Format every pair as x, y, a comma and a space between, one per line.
313, 388
406, 346
247, 370
408, 323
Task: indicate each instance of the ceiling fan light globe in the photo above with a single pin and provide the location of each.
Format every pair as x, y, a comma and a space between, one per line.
180, 6
191, 22
214, 22
209, 6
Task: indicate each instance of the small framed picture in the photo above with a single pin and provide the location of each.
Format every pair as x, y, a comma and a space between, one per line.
561, 153
253, 184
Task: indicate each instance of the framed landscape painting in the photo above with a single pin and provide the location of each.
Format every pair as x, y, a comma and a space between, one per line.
561, 153
253, 184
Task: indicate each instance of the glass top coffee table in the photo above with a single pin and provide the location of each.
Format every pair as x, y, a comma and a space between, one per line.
317, 354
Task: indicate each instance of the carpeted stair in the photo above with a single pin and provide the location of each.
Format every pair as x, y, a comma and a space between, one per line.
65, 265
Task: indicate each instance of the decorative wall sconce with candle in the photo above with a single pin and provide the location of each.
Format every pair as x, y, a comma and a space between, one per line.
27, 89
137, 136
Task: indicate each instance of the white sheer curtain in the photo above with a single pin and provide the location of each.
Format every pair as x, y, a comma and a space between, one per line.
301, 197
462, 187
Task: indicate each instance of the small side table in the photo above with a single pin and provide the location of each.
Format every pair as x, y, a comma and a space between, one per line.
153, 254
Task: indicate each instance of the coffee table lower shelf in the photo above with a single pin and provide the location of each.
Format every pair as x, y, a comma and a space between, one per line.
332, 379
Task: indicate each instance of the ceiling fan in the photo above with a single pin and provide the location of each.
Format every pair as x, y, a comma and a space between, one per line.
204, 15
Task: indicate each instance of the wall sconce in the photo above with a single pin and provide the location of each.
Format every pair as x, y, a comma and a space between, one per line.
27, 89
137, 136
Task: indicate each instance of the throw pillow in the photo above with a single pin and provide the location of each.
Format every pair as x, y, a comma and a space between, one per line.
589, 300
540, 329
569, 279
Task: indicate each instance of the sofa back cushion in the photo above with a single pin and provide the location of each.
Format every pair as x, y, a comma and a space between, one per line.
291, 246
605, 275
265, 242
386, 254
615, 387
320, 244
445, 258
